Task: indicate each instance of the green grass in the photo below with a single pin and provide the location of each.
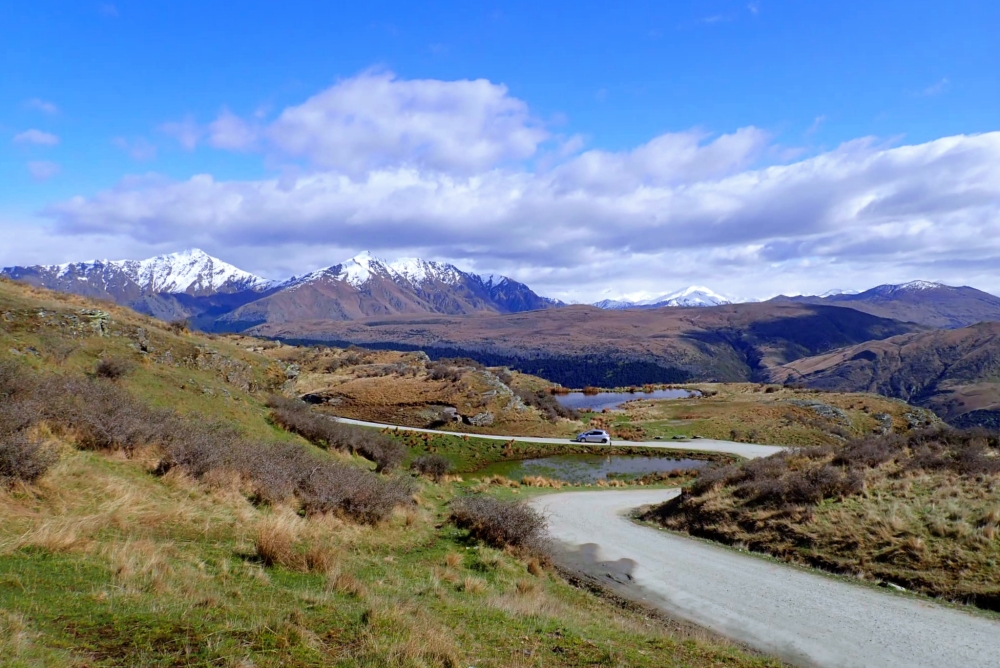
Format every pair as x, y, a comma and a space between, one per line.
103, 563
474, 454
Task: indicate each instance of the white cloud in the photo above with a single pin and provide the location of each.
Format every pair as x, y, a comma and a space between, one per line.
42, 170
42, 106
140, 148
376, 120
680, 209
462, 171
186, 132
231, 132
36, 137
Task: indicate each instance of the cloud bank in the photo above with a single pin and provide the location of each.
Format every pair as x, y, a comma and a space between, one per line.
461, 170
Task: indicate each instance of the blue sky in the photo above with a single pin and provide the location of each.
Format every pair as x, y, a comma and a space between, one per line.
106, 110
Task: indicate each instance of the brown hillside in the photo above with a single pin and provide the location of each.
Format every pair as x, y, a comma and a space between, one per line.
951, 372
726, 343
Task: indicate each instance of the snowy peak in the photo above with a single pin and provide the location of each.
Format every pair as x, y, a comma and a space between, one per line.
614, 304
695, 295
912, 286
837, 292
192, 271
417, 271
414, 272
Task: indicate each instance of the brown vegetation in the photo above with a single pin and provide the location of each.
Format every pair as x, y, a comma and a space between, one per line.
499, 523
296, 416
919, 510
101, 415
433, 466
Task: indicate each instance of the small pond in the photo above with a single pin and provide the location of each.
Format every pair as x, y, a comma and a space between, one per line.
602, 400
587, 468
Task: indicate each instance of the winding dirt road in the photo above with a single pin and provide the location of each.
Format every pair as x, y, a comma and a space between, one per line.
748, 450
805, 618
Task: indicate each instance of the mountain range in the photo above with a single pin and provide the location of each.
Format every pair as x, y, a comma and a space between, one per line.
934, 345
695, 295
217, 296
953, 372
923, 302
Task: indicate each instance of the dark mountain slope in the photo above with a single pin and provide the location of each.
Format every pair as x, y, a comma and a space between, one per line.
930, 304
952, 372
725, 343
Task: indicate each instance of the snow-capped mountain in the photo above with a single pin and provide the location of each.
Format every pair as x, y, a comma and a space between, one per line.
923, 302
913, 286
694, 295
836, 292
363, 267
193, 284
177, 285
365, 285
192, 272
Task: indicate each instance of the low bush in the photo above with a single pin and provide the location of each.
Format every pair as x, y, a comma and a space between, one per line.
547, 404
296, 416
113, 368
501, 524
102, 415
24, 458
433, 466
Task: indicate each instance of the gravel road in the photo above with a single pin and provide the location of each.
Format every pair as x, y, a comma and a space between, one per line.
748, 450
805, 618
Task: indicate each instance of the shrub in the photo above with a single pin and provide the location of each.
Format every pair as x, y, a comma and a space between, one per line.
500, 523
24, 458
434, 466
113, 368
179, 326
547, 404
15, 381
107, 417
296, 416
387, 453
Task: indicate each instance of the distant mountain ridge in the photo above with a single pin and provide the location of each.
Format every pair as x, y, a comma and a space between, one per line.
953, 372
694, 295
923, 302
216, 295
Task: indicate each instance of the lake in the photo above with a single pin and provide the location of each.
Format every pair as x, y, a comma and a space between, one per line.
587, 468
602, 400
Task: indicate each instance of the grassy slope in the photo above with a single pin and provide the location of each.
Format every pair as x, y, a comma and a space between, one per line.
103, 563
769, 414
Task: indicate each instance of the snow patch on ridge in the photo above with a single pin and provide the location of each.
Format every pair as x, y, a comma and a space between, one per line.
189, 270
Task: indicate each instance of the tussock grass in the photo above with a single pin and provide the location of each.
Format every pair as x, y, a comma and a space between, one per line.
921, 510
110, 559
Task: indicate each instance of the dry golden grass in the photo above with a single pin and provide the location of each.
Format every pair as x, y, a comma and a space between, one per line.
140, 565
14, 635
275, 539
935, 531
453, 559
473, 585
402, 636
